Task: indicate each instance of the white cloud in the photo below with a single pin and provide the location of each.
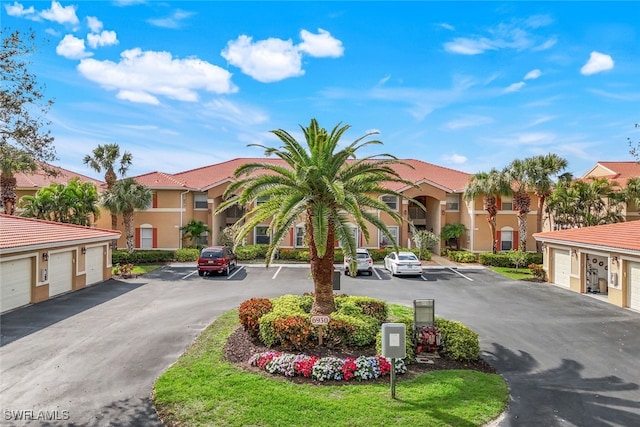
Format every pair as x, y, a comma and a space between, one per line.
597, 63
105, 38
465, 46
267, 61
455, 159
16, 9
447, 26
515, 35
141, 76
533, 74
173, 21
547, 44
71, 47
95, 25
514, 87
467, 122
61, 15
321, 44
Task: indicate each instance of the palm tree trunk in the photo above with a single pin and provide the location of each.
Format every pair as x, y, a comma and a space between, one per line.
128, 229
8, 184
522, 230
541, 201
322, 273
114, 226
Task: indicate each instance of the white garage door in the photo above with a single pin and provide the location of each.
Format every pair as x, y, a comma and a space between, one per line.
15, 278
634, 285
60, 273
93, 265
561, 267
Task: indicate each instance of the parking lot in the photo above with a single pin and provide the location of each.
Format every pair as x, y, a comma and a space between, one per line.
91, 357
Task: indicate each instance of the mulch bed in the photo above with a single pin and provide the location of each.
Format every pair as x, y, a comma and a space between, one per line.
240, 346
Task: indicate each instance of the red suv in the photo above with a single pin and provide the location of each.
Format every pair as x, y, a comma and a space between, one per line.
220, 259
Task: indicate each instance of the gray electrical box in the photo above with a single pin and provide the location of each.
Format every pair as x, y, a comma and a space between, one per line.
394, 340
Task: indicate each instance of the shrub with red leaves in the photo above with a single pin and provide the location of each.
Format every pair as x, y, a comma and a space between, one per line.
251, 311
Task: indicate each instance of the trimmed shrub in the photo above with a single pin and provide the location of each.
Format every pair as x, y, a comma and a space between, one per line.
366, 328
458, 341
337, 333
294, 332
187, 254
366, 305
251, 311
462, 256
502, 259
141, 256
537, 271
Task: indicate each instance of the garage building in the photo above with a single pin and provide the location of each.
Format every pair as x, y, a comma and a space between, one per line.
602, 261
42, 259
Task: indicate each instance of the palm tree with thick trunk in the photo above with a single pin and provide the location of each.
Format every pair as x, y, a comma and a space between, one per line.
326, 186
107, 158
124, 198
518, 175
488, 185
542, 171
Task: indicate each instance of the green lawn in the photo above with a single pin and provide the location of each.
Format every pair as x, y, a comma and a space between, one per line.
510, 272
202, 389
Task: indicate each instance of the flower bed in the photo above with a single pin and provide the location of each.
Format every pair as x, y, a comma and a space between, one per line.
361, 368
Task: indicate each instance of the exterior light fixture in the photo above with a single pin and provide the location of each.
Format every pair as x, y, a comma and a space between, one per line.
45, 256
614, 259
84, 250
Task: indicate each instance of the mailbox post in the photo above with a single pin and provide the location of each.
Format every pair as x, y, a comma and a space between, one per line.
394, 346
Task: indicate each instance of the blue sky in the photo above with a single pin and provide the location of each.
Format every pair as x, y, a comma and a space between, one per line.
466, 85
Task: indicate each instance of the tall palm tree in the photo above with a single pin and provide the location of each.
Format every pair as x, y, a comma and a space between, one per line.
488, 185
194, 229
517, 173
124, 198
107, 157
541, 173
319, 183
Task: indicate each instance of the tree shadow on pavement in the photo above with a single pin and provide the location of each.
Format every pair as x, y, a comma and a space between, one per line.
25, 321
561, 395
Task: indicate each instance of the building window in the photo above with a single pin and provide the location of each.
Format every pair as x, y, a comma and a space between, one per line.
262, 235
506, 240
391, 201
300, 237
453, 202
384, 241
200, 201
146, 238
507, 203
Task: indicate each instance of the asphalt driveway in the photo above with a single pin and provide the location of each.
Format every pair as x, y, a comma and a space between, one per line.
91, 357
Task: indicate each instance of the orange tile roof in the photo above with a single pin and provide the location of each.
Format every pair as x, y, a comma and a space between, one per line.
160, 180
622, 235
18, 233
39, 179
620, 171
210, 176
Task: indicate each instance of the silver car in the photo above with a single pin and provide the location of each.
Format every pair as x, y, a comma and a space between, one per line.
364, 260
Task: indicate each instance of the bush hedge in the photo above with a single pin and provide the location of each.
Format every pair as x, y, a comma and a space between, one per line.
141, 256
462, 256
502, 259
458, 341
187, 254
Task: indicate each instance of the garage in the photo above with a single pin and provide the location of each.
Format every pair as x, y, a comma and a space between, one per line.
561, 267
15, 277
634, 285
60, 273
94, 265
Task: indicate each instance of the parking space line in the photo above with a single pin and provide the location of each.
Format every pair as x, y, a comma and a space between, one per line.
375, 270
276, 273
423, 278
236, 271
189, 275
460, 274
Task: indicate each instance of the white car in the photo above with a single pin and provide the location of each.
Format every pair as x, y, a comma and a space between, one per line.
403, 263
